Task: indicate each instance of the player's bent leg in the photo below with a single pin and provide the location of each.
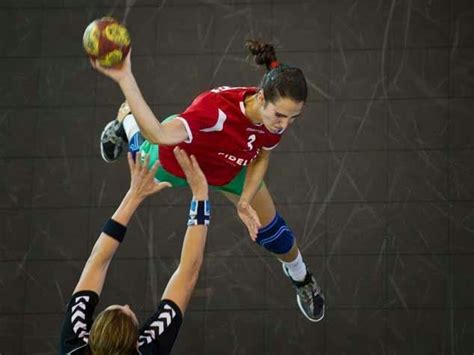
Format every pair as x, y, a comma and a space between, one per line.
278, 238
124, 129
113, 138
309, 296
133, 135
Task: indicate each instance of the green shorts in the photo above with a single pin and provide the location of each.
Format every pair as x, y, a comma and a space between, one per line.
235, 186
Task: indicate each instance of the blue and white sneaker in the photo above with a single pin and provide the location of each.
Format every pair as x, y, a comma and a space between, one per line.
309, 296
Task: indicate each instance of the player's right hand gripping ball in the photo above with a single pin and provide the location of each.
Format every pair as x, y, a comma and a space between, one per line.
106, 40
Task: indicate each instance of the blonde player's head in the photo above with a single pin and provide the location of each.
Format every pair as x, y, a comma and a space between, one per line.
114, 331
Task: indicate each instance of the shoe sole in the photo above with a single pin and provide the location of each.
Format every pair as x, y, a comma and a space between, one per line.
300, 306
104, 157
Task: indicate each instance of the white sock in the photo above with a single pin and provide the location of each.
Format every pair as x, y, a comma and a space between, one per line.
130, 126
296, 268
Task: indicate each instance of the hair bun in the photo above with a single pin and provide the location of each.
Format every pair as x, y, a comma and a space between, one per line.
264, 53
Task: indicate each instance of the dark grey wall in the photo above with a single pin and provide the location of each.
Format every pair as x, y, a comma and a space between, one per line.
376, 180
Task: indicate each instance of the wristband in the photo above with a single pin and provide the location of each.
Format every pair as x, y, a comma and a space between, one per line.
199, 213
114, 230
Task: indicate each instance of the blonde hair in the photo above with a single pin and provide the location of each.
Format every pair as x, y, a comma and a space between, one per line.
113, 332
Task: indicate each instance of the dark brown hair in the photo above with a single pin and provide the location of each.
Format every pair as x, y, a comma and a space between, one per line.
281, 80
113, 332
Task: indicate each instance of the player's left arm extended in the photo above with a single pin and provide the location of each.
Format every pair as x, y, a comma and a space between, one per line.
254, 177
142, 184
95, 270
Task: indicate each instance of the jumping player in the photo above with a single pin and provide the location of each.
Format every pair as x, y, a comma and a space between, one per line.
231, 130
116, 329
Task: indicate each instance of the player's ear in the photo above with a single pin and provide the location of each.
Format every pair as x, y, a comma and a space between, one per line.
261, 97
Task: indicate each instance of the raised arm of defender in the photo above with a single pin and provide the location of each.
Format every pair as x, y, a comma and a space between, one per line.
181, 284
143, 184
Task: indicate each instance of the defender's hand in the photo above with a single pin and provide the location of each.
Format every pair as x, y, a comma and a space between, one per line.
142, 181
194, 175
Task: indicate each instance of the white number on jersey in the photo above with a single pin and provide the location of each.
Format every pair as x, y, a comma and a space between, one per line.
251, 139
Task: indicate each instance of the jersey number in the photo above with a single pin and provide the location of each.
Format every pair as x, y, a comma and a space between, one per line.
251, 139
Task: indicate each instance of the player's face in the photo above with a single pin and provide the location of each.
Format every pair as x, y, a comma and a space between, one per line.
125, 309
278, 115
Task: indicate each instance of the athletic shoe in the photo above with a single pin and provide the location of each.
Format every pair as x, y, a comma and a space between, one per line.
113, 138
309, 296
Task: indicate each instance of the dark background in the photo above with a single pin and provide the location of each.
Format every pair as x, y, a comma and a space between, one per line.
377, 179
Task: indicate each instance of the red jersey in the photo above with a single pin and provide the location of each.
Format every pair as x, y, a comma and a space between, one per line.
220, 135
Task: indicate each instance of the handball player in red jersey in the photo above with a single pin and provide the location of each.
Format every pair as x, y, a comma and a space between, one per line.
231, 131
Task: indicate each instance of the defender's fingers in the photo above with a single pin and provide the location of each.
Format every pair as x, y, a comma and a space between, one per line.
195, 163
161, 186
144, 165
155, 166
138, 158
152, 171
182, 159
131, 162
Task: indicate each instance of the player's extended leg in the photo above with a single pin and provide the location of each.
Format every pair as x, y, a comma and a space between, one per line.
278, 238
118, 133
124, 130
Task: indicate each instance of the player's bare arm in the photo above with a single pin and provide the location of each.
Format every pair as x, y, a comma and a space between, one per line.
253, 179
150, 126
183, 281
142, 184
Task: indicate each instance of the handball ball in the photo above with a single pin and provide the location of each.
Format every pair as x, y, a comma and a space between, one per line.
106, 40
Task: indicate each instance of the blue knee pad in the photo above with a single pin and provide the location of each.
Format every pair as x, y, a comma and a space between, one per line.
276, 236
134, 143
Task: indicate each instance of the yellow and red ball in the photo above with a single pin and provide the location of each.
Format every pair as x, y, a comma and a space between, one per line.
106, 40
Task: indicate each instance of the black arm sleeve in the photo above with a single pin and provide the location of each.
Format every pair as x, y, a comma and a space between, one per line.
159, 332
77, 322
